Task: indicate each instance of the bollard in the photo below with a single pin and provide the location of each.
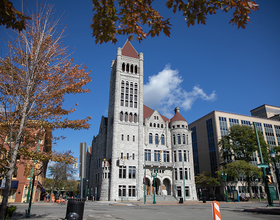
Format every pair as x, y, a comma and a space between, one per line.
204, 199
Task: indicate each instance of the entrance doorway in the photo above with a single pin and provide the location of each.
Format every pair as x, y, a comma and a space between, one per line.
166, 188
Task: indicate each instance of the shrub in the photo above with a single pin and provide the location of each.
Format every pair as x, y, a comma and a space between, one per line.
9, 211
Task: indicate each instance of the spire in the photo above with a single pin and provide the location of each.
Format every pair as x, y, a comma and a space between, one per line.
129, 51
177, 116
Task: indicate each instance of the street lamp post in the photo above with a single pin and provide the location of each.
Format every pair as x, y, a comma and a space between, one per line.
272, 154
154, 175
224, 175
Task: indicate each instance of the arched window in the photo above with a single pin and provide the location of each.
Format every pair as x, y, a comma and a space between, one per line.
135, 69
127, 67
126, 103
162, 139
161, 125
126, 116
150, 138
151, 124
187, 139
158, 125
179, 139
156, 139
184, 139
174, 139
131, 68
121, 116
130, 117
123, 66
135, 118
154, 125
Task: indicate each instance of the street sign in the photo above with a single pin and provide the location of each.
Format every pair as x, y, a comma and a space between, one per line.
262, 165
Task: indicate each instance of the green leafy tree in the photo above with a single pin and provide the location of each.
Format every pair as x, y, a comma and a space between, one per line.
60, 173
119, 17
241, 144
205, 180
244, 171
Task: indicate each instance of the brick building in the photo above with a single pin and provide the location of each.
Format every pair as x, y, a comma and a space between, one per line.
20, 183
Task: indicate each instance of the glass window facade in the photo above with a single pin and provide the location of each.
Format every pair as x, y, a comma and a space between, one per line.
233, 121
212, 147
223, 126
195, 151
268, 129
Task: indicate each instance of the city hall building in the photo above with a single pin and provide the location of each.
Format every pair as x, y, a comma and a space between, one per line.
137, 149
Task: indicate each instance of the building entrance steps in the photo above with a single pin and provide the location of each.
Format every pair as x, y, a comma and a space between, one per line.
159, 198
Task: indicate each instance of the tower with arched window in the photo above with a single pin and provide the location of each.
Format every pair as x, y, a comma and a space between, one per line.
183, 181
135, 140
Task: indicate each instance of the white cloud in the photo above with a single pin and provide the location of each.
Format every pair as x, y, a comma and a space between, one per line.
164, 92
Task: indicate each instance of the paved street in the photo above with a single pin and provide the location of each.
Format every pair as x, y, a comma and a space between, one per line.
161, 210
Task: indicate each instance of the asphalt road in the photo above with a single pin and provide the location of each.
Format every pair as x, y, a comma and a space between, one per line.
161, 210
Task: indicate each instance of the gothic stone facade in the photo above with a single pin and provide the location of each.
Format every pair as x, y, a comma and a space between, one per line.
135, 142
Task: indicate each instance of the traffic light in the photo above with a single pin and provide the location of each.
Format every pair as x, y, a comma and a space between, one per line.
268, 179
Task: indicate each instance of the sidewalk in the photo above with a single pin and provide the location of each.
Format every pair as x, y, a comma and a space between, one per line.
51, 211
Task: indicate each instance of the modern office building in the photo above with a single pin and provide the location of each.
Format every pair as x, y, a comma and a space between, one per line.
137, 149
208, 130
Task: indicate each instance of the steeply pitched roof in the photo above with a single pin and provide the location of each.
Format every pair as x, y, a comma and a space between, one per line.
177, 116
147, 112
129, 51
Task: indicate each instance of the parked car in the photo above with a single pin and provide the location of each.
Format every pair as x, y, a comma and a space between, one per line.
244, 199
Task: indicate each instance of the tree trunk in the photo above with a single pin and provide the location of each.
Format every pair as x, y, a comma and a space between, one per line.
51, 195
5, 194
6, 191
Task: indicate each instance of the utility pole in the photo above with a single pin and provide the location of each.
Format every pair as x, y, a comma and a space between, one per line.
270, 202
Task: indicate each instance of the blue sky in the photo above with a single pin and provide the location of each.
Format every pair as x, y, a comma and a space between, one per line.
200, 69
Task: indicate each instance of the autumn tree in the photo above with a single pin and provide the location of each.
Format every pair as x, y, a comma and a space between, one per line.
35, 75
243, 171
139, 18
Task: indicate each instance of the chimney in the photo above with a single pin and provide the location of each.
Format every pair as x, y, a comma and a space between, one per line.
177, 109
